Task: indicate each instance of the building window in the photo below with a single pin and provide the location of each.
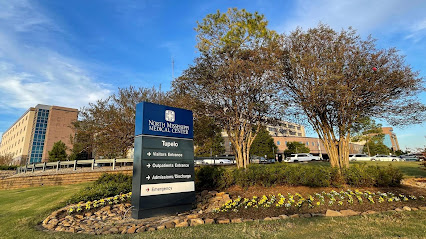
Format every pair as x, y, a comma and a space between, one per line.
278, 142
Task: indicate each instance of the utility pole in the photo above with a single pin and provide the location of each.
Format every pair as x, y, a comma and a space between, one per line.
173, 68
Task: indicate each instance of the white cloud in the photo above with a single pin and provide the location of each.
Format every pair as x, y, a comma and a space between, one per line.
363, 15
417, 30
34, 73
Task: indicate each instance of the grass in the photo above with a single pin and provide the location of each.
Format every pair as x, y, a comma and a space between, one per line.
22, 210
409, 169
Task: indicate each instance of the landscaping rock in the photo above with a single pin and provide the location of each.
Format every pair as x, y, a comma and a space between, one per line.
192, 216
196, 222
267, 219
422, 208
223, 221
220, 194
208, 221
331, 213
398, 210
294, 216
169, 224
283, 216
414, 209
131, 230
182, 224
160, 228
405, 208
349, 212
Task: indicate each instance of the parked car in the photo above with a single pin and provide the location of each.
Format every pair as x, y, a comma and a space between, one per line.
264, 160
217, 161
382, 157
408, 157
359, 157
301, 158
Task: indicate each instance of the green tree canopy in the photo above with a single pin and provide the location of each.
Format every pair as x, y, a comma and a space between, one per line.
295, 148
58, 152
366, 129
234, 75
375, 146
263, 144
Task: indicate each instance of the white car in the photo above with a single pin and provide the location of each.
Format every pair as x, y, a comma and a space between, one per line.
359, 157
217, 161
301, 158
382, 157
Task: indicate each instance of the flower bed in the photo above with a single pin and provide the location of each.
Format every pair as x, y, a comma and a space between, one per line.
110, 215
289, 200
87, 206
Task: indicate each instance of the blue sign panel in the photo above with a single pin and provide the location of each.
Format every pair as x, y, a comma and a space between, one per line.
161, 120
163, 165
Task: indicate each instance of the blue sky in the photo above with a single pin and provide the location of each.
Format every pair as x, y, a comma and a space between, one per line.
69, 53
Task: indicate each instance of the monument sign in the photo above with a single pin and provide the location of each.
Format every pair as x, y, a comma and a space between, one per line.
163, 165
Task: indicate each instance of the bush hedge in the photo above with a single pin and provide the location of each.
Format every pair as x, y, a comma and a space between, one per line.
106, 185
8, 167
359, 175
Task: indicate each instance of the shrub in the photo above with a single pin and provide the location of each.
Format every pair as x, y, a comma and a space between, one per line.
359, 175
8, 167
106, 185
209, 177
388, 176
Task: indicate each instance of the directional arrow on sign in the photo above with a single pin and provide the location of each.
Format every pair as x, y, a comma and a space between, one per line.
148, 165
148, 177
149, 153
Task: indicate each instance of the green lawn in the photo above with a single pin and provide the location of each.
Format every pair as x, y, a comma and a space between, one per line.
409, 169
22, 209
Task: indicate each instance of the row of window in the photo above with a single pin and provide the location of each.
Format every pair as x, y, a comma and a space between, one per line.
4, 152
16, 126
307, 143
39, 136
4, 142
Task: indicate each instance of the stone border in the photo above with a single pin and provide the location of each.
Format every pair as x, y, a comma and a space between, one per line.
115, 219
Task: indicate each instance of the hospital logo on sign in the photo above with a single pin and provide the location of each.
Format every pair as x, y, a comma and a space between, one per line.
170, 116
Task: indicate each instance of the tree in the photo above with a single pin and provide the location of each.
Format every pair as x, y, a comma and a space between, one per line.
336, 78
366, 129
78, 151
233, 77
211, 147
376, 146
107, 126
58, 152
295, 148
263, 144
6, 159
